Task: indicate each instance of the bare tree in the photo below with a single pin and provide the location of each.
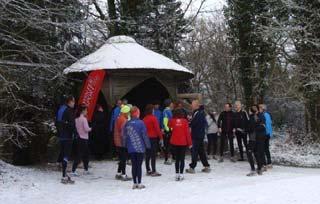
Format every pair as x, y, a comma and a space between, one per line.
209, 55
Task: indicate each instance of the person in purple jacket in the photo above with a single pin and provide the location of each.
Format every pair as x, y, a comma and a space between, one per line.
135, 139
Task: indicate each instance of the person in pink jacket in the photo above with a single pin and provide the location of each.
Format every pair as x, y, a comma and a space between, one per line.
83, 130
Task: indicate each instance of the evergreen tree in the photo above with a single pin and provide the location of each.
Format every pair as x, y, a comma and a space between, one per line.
246, 20
157, 24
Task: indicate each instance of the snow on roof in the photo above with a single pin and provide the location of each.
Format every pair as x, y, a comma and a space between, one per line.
123, 52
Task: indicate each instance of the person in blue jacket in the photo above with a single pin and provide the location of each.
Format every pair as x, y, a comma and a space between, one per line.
266, 116
136, 141
114, 115
58, 124
66, 126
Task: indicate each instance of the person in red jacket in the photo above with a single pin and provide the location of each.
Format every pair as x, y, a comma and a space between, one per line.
155, 135
180, 140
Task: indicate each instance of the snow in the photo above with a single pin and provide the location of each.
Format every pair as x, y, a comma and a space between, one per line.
122, 52
286, 152
227, 183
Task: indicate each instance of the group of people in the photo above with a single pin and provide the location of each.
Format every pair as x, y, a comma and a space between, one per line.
171, 131
252, 132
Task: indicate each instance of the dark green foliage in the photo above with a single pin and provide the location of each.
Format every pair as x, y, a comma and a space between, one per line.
157, 24
246, 20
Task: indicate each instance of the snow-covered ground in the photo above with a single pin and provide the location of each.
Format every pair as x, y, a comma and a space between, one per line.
227, 183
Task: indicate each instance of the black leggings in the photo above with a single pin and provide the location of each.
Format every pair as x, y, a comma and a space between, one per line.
179, 152
136, 160
212, 142
224, 136
83, 155
122, 151
241, 138
66, 148
151, 154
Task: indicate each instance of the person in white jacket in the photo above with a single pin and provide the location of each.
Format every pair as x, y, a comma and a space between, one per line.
212, 133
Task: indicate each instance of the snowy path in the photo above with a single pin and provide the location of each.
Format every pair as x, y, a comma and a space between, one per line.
227, 183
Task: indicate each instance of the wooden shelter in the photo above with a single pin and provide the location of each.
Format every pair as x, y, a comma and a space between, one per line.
133, 72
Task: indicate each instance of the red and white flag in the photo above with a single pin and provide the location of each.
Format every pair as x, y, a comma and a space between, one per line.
90, 91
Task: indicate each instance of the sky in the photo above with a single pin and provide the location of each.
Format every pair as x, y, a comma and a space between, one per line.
207, 7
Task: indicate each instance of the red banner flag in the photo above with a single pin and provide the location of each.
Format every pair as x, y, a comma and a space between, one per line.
90, 91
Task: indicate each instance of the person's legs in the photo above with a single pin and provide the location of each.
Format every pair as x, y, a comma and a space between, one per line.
182, 154
166, 146
119, 159
260, 152
222, 143
231, 145
170, 149
194, 154
210, 143
85, 154
177, 162
239, 141
267, 150
154, 147
134, 169
77, 157
66, 146
250, 153
245, 140
202, 154
148, 157
122, 160
215, 143
139, 166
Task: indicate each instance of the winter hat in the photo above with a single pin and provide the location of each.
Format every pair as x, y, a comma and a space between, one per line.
125, 109
135, 112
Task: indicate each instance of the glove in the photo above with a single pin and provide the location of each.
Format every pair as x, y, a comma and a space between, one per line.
161, 143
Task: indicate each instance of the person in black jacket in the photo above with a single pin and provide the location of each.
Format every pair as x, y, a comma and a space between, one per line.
66, 136
99, 132
198, 126
256, 130
226, 128
241, 124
